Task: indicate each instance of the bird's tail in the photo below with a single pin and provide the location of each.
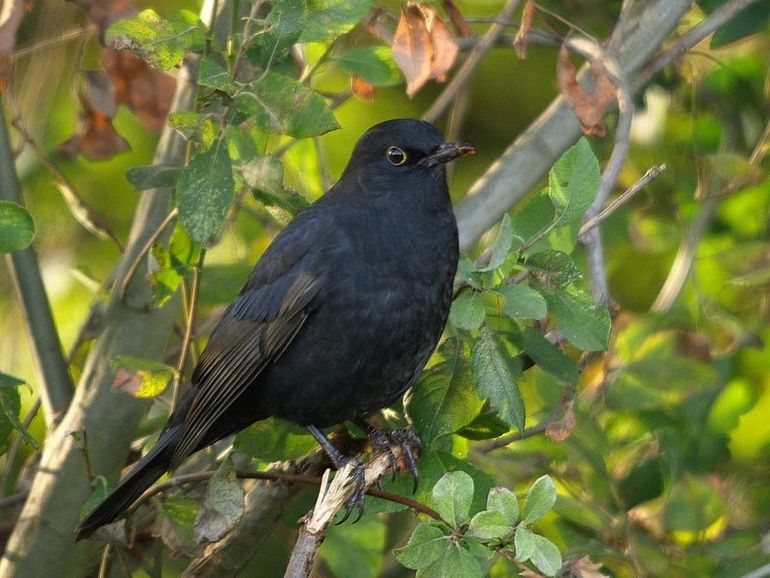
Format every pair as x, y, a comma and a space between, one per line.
141, 477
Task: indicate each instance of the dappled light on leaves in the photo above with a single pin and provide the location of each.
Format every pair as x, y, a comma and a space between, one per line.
423, 47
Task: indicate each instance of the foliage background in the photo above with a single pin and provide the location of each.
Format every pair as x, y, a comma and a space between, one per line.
666, 469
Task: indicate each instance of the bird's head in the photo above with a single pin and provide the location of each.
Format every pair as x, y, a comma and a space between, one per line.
401, 154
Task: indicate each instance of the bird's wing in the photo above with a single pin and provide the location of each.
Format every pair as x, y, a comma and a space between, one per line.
254, 330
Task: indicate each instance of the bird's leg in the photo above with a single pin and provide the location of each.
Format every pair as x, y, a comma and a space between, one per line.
356, 499
384, 441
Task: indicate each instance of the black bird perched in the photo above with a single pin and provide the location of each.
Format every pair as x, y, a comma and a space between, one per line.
338, 316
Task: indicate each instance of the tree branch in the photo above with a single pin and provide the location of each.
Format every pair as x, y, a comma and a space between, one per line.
56, 388
530, 156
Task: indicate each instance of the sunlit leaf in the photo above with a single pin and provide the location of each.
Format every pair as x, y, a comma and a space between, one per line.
426, 545
141, 377
540, 499
17, 229
467, 311
586, 324
204, 193
522, 302
452, 497
330, 18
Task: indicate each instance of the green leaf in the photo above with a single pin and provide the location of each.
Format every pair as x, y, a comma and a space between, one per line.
171, 264
10, 406
222, 507
426, 545
177, 524
586, 324
504, 501
216, 76
101, 491
17, 229
444, 399
549, 357
502, 244
487, 425
264, 175
692, 506
452, 497
748, 21
457, 562
146, 177
280, 31
282, 105
274, 439
573, 182
328, 19
489, 525
163, 42
522, 302
141, 377
197, 126
204, 193
557, 267
467, 310
540, 499
372, 63
524, 542
545, 555
495, 374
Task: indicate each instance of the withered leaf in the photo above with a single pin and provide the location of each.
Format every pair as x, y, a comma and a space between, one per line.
560, 430
145, 90
423, 47
361, 88
588, 106
460, 24
96, 138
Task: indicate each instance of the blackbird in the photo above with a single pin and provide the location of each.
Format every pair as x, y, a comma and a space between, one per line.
337, 317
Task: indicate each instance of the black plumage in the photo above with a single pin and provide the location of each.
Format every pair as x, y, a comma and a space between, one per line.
338, 316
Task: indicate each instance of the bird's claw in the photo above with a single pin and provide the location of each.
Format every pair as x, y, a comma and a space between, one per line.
409, 444
356, 499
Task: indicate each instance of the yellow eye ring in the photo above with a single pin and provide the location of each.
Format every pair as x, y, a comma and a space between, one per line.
395, 156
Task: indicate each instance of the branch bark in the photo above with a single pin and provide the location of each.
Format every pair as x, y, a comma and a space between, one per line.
55, 384
529, 157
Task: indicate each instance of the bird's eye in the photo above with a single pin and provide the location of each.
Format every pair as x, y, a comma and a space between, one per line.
396, 156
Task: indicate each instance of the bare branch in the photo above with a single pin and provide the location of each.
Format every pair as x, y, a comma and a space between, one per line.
622, 199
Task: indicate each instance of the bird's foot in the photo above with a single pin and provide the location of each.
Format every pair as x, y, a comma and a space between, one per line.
406, 441
356, 499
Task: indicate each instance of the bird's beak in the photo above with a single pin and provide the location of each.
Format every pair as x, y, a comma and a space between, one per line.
447, 151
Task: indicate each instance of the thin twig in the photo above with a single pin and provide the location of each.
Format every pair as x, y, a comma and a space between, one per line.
621, 199
144, 251
717, 18
104, 563
13, 499
503, 441
80, 210
10, 456
192, 307
465, 72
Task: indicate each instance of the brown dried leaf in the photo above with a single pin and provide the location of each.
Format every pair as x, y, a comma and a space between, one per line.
423, 47
460, 24
412, 48
361, 88
588, 106
560, 430
145, 90
96, 138
583, 568
11, 14
527, 573
521, 42
444, 46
